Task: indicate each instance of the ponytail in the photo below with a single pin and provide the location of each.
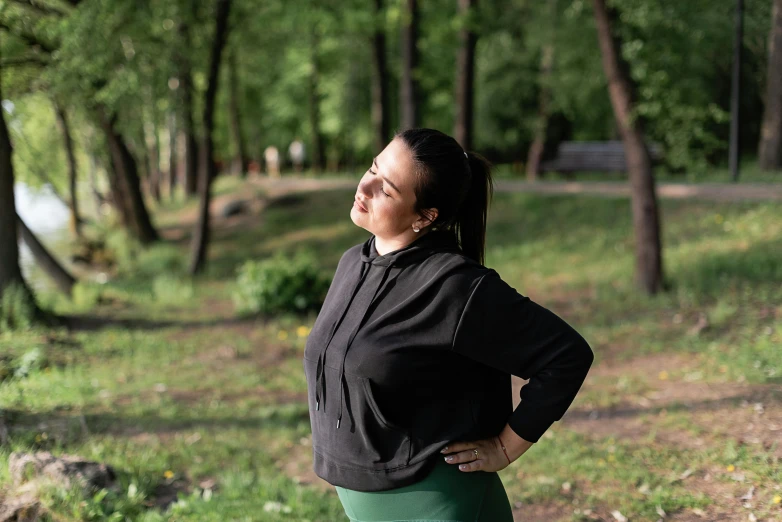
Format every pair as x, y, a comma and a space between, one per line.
456, 183
470, 223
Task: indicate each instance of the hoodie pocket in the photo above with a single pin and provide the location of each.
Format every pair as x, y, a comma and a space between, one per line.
365, 439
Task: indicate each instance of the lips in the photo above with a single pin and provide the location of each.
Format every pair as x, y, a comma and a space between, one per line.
359, 206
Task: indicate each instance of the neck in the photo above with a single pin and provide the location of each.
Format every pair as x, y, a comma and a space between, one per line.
385, 245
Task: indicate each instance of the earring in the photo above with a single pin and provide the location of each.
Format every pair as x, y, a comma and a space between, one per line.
416, 229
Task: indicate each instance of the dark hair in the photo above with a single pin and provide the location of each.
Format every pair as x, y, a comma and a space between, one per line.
456, 182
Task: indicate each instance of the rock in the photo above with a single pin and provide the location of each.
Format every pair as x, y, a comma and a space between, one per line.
21, 508
233, 208
67, 470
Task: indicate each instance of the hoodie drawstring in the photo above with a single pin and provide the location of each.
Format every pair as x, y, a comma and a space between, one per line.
320, 380
342, 382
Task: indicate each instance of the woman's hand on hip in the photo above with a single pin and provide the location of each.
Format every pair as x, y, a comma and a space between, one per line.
488, 457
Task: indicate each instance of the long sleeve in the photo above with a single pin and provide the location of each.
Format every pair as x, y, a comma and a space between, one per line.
509, 332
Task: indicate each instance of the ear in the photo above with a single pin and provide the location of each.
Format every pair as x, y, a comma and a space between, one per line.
427, 218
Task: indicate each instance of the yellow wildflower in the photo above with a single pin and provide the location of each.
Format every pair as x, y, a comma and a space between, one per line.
663, 375
731, 467
168, 474
282, 335
302, 331
777, 499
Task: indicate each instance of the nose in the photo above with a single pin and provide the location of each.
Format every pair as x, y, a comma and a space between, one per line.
365, 186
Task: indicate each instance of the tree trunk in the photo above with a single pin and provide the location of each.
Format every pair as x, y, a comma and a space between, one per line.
125, 185
535, 153
208, 169
770, 148
380, 109
314, 105
646, 222
465, 76
45, 260
62, 121
10, 273
409, 85
153, 146
144, 162
97, 196
186, 86
173, 164
240, 162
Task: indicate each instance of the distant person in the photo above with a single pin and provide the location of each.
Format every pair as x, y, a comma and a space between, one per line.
272, 157
296, 152
409, 362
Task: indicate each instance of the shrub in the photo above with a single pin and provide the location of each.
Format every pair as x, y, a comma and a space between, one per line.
172, 290
161, 258
85, 295
17, 308
280, 284
124, 247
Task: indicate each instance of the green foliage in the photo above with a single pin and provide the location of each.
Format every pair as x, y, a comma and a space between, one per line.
172, 290
85, 295
280, 284
17, 308
32, 360
124, 248
160, 258
24, 364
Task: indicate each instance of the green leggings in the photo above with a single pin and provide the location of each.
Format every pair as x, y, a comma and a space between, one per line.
445, 495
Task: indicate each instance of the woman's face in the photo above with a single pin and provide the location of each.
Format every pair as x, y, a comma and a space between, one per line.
384, 199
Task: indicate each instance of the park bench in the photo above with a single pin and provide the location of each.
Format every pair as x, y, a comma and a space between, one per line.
592, 156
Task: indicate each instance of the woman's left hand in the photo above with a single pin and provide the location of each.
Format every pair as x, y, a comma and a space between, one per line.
489, 456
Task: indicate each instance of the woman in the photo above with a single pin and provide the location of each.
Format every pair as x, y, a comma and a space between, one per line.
409, 362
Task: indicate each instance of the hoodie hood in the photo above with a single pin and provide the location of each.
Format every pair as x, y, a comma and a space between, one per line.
375, 273
421, 248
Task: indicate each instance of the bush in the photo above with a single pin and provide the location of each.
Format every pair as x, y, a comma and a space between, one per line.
124, 247
172, 290
17, 308
161, 258
85, 295
280, 284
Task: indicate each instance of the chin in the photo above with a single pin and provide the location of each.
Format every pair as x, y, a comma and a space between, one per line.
355, 216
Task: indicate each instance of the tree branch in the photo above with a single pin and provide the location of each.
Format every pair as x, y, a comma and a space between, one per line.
24, 60
27, 36
41, 8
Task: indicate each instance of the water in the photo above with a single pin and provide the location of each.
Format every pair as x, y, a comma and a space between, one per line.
47, 217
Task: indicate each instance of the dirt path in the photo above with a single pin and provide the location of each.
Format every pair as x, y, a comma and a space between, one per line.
746, 414
706, 191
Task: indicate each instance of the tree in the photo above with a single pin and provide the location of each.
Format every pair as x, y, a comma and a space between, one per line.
10, 273
646, 222
770, 148
380, 109
318, 156
125, 183
240, 161
465, 76
185, 76
62, 120
45, 260
538, 146
409, 90
208, 169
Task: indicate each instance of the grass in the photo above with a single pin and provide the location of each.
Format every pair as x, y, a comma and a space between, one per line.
185, 397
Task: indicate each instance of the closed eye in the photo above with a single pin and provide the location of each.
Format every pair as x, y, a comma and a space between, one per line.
383, 191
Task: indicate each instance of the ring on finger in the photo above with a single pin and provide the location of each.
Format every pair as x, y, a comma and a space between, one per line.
476, 453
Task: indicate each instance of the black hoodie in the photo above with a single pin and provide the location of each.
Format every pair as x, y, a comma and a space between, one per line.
415, 349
